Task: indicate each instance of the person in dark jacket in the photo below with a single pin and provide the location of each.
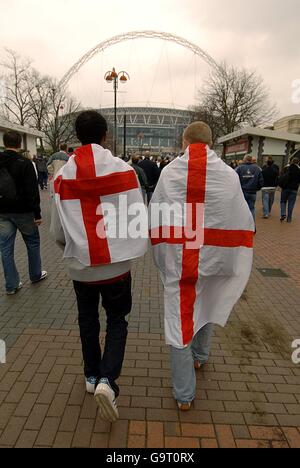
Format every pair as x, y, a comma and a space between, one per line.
141, 175
252, 181
152, 173
164, 164
270, 175
19, 211
41, 165
290, 192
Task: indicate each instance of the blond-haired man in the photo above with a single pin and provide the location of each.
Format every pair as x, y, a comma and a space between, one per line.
204, 253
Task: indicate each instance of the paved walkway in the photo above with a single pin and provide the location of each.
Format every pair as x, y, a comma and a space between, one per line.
248, 395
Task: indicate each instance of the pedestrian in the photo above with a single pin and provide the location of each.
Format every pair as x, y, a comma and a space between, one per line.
270, 161
28, 156
152, 173
99, 261
289, 182
205, 259
19, 211
41, 165
57, 161
164, 164
252, 181
141, 176
270, 175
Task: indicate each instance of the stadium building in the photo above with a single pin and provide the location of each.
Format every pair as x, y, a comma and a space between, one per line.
158, 130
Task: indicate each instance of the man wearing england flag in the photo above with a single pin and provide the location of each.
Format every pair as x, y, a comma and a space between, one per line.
98, 258
204, 254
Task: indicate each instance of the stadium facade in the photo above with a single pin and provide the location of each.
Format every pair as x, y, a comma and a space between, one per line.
158, 130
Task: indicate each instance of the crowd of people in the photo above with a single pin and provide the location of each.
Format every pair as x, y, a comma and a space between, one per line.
268, 179
101, 267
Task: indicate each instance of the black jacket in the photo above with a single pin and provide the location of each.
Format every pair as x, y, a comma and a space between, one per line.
24, 175
141, 176
270, 175
294, 178
151, 170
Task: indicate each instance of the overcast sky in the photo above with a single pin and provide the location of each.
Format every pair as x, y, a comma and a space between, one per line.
261, 35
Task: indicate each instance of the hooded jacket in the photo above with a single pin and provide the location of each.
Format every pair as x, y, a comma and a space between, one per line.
23, 173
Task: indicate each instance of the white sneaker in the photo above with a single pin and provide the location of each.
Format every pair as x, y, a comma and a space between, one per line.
42, 278
106, 400
15, 291
91, 385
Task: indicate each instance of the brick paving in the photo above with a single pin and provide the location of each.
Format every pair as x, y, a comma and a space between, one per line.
248, 395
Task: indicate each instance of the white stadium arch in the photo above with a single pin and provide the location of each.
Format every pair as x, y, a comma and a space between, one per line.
137, 35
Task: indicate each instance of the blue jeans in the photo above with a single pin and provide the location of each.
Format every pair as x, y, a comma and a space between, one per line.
251, 200
9, 225
288, 198
43, 180
183, 368
268, 198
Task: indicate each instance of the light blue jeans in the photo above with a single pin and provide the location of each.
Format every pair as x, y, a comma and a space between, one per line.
9, 225
251, 200
268, 198
288, 203
183, 365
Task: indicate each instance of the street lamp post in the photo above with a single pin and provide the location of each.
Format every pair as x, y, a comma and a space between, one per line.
125, 134
114, 77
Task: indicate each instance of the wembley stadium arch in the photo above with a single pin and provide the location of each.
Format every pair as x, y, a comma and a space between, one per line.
148, 128
132, 36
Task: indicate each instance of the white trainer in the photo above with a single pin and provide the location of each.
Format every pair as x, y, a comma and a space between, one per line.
106, 400
42, 278
15, 291
91, 385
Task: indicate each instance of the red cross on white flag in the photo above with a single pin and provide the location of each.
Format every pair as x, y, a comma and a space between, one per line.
91, 178
206, 259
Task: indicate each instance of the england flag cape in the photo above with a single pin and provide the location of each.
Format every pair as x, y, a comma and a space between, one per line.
203, 247
92, 180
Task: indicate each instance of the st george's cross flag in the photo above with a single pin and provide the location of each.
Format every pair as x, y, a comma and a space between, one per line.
203, 247
92, 180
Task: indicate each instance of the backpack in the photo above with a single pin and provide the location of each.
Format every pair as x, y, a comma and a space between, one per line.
284, 181
8, 189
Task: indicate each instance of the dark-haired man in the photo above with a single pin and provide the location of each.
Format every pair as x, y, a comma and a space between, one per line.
41, 165
141, 175
290, 191
19, 210
99, 261
152, 173
271, 175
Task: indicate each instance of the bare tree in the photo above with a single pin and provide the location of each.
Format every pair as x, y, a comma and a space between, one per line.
60, 116
17, 106
233, 98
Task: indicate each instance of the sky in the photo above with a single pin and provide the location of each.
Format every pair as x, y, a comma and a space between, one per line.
261, 35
